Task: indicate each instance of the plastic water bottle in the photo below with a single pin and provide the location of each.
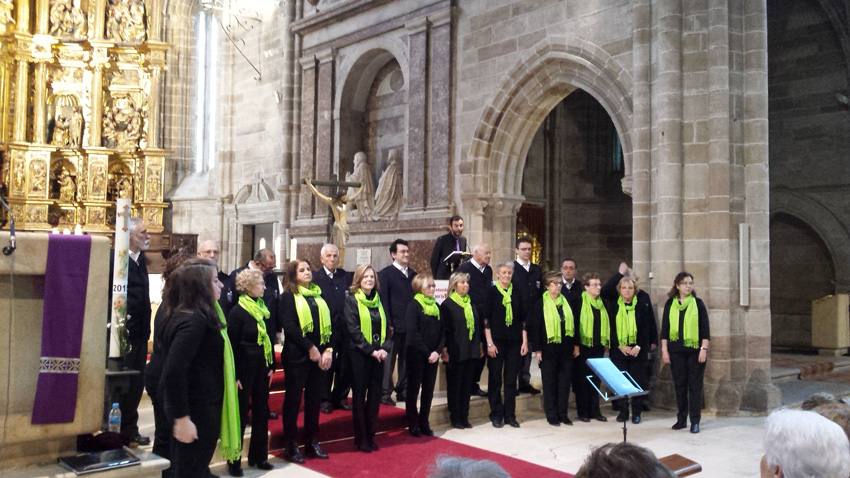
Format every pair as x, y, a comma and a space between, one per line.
115, 419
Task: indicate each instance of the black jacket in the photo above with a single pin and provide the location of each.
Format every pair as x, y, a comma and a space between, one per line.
396, 295
495, 317
334, 291
647, 330
459, 346
537, 331
597, 321
356, 340
574, 292
479, 286
425, 333
230, 296
138, 300
528, 284
248, 355
444, 246
296, 345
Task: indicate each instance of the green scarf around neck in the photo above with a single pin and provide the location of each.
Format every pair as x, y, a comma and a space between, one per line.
466, 303
230, 432
429, 305
691, 324
363, 306
258, 310
586, 321
552, 319
305, 317
506, 302
626, 325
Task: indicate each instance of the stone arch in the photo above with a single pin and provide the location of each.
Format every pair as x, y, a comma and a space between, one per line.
832, 232
552, 69
258, 192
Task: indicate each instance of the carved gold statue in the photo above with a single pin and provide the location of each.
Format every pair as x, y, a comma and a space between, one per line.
67, 20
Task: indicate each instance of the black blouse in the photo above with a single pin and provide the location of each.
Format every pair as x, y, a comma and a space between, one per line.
496, 321
459, 346
296, 346
678, 345
355, 334
425, 333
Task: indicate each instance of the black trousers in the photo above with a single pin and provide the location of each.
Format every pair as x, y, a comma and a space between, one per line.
479, 369
366, 376
340, 375
458, 377
306, 376
420, 374
688, 374
637, 369
192, 460
254, 396
162, 425
398, 352
129, 401
525, 371
556, 370
587, 399
505, 365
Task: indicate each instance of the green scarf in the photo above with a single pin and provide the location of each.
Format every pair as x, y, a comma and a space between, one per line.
231, 431
552, 319
586, 320
466, 303
429, 305
506, 302
626, 326
305, 317
258, 310
691, 321
363, 306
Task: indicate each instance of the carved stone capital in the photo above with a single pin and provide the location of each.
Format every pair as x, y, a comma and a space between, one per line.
307, 62
325, 56
417, 25
505, 205
441, 17
628, 183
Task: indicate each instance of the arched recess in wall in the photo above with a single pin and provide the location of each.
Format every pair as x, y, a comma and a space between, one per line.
371, 105
534, 86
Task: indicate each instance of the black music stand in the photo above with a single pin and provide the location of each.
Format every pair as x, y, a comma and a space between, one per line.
618, 382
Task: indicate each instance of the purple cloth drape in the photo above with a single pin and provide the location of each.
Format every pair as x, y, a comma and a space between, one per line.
65, 286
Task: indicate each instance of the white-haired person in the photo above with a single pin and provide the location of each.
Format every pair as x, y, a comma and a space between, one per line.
458, 467
802, 444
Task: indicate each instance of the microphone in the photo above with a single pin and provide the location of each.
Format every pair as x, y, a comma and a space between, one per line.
8, 250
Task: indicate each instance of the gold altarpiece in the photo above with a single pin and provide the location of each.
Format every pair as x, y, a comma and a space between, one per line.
80, 85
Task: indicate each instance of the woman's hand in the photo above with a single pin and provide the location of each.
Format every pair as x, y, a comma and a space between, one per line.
445, 355
492, 350
379, 355
184, 430
433, 357
239, 384
703, 355
576, 351
665, 356
327, 360
523, 350
314, 354
634, 351
271, 375
539, 357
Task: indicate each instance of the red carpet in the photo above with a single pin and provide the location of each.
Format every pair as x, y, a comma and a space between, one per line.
402, 455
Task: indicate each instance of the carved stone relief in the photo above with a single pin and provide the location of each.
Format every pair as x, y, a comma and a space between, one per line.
125, 21
67, 127
19, 173
98, 180
67, 20
38, 176
153, 184
122, 125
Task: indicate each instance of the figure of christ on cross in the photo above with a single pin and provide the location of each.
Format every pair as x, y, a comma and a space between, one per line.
339, 207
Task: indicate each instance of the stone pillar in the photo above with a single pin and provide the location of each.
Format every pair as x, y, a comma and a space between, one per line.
502, 212
638, 184
308, 133
439, 118
417, 103
324, 123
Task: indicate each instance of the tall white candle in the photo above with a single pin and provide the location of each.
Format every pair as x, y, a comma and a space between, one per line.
119, 273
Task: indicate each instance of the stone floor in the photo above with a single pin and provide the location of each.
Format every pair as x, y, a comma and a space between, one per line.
727, 447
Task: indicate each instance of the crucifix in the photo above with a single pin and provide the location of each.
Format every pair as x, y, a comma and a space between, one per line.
339, 207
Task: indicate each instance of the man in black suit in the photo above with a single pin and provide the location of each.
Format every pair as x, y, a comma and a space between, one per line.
396, 294
334, 282
445, 245
138, 329
264, 261
527, 282
209, 250
480, 281
571, 287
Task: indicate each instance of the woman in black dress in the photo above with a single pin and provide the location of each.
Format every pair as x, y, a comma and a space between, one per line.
463, 347
594, 333
554, 329
507, 343
193, 375
426, 337
370, 342
633, 335
254, 359
307, 356
684, 345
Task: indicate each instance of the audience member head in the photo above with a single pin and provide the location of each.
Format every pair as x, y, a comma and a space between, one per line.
250, 281
422, 284
265, 260
523, 248
481, 254
802, 444
296, 275
364, 278
459, 282
400, 251
623, 459
456, 226
208, 250
140, 240
820, 398
837, 412
682, 284
568, 269
330, 257
457, 467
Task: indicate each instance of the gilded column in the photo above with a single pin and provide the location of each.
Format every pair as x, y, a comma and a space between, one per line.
22, 18
99, 62
19, 132
440, 86
96, 30
324, 122
39, 107
417, 104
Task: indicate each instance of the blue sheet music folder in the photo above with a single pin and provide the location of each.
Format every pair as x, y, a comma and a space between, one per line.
618, 382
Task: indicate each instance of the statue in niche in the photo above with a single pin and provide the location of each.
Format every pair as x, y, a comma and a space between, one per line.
67, 188
20, 175
67, 127
124, 188
75, 130
390, 188
122, 125
38, 178
153, 184
67, 20
125, 21
97, 180
365, 199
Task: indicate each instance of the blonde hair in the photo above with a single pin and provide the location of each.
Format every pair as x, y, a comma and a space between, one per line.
246, 278
358, 276
420, 282
455, 278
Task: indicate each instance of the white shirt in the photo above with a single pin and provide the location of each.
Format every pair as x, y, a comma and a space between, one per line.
135, 256
328, 272
526, 265
402, 269
570, 284
477, 265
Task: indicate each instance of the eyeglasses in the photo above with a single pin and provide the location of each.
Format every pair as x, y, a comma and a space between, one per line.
686, 283
432, 286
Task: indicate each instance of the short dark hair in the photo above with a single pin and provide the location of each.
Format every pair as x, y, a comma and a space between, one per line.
454, 219
522, 239
570, 260
550, 277
262, 255
396, 243
589, 277
623, 459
